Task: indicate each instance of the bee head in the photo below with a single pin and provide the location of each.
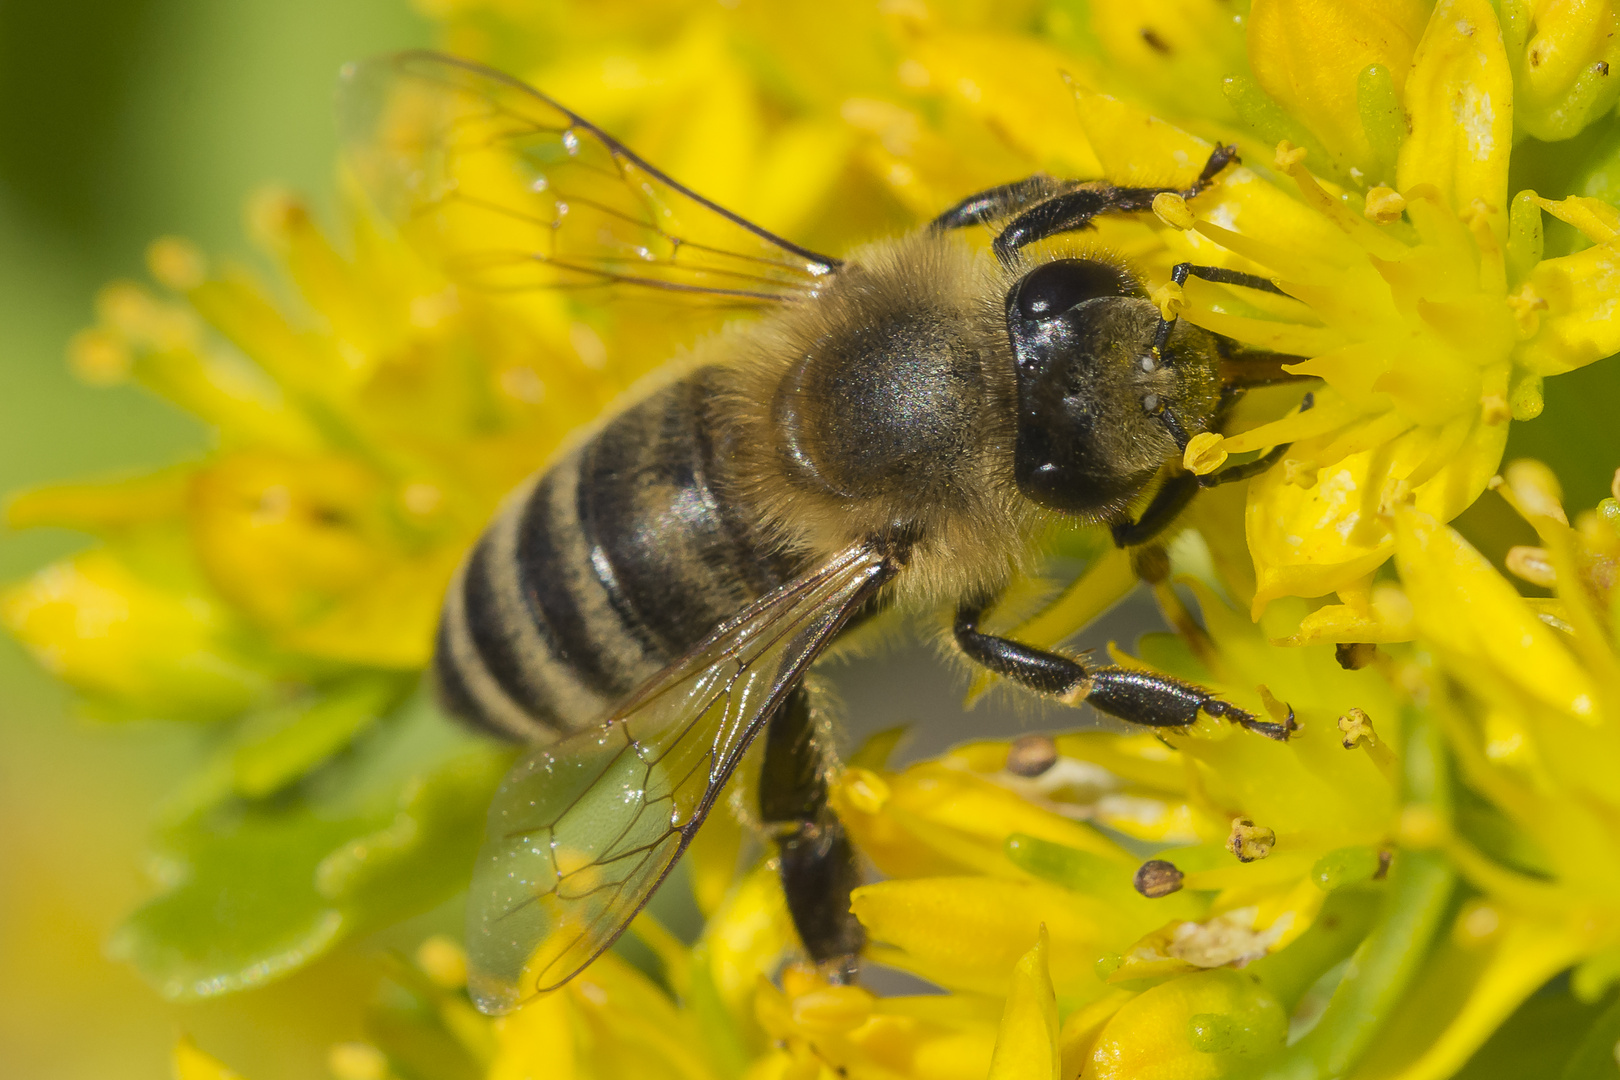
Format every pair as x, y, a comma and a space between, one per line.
1092, 393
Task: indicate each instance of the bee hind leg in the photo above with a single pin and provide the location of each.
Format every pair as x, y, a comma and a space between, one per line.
817, 863
1139, 697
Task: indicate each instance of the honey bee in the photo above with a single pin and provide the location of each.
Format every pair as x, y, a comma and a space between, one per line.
894, 428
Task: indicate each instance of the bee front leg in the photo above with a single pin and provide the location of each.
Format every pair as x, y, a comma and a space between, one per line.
1140, 697
818, 867
1072, 208
999, 202
1167, 504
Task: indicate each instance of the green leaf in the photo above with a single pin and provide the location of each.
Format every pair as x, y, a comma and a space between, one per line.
440, 823
1540, 1039
1596, 1056
408, 1022
282, 743
257, 888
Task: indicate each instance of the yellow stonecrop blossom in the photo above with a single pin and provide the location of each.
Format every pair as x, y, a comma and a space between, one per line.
362, 443
1192, 904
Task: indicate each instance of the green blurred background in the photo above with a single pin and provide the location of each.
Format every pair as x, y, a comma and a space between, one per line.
121, 120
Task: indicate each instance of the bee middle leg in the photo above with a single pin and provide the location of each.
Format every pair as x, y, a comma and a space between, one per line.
1139, 697
818, 867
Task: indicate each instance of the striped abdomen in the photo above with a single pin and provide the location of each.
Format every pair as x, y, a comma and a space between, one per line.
599, 572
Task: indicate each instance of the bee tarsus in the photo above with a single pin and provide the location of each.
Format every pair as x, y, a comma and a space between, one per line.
1220, 276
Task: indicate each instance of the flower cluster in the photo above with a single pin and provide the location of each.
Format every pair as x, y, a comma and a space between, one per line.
1374, 897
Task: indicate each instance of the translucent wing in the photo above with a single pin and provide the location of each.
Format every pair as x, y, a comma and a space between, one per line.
582, 831
512, 191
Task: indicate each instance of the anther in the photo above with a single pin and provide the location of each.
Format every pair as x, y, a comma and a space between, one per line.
1354, 655
1150, 563
1535, 489
1383, 205
1301, 474
1357, 728
1156, 878
1249, 841
1531, 564
176, 263
1171, 209
1288, 155
1031, 755
1204, 453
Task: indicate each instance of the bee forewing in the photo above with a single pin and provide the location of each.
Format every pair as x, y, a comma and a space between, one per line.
508, 190
582, 831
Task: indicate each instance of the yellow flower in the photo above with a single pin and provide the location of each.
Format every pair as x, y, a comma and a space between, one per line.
1148, 904
1531, 709
363, 443
1254, 838
1562, 55
1425, 313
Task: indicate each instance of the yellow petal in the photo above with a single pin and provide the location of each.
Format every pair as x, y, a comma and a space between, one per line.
1015, 86
309, 548
1135, 147
746, 937
1563, 55
968, 933
157, 651
103, 507
1309, 56
191, 1063
712, 858
1082, 1027
1459, 98
536, 1040
1195, 1027
1463, 605
1174, 52
932, 819
1468, 989
1579, 322
1342, 623
1026, 1045
1315, 539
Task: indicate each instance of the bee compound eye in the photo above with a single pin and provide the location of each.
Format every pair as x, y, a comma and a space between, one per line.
1053, 288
